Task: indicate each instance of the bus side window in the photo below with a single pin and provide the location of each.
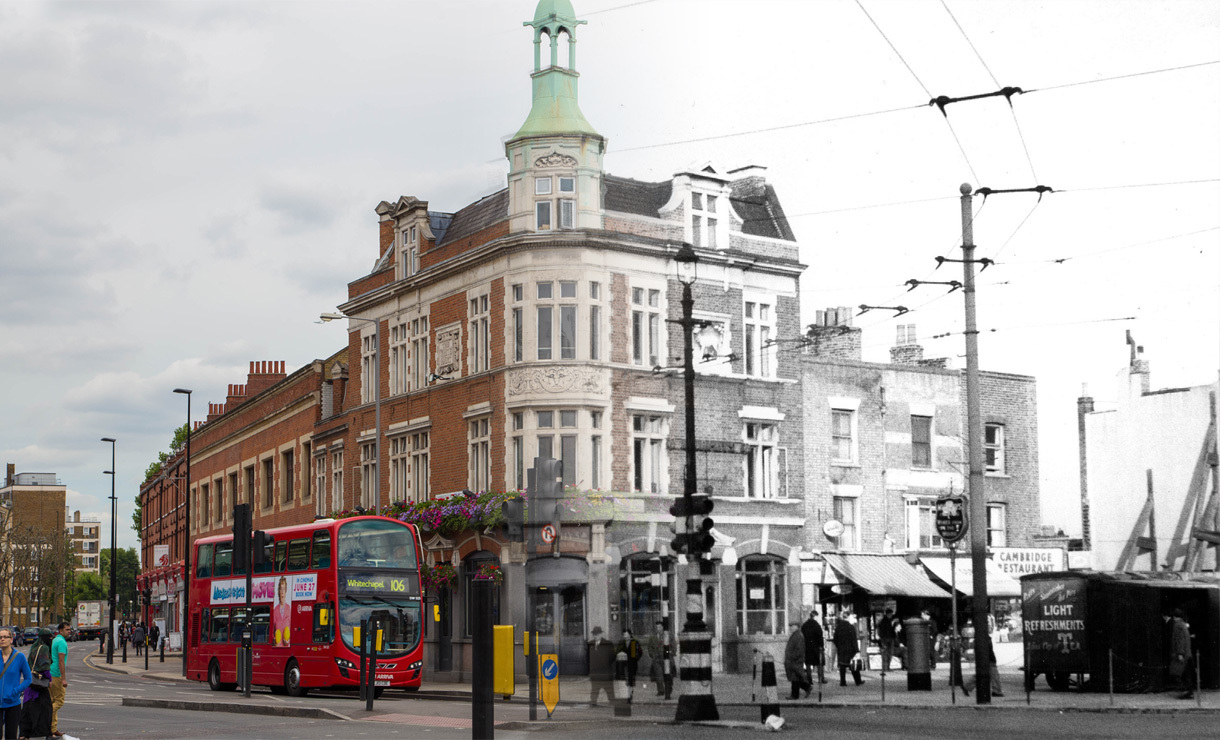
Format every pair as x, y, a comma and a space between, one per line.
321, 549
298, 554
203, 562
323, 622
224, 560
220, 625
281, 555
203, 625
262, 624
237, 623
268, 557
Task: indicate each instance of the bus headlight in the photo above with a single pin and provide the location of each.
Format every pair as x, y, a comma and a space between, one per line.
345, 663
416, 665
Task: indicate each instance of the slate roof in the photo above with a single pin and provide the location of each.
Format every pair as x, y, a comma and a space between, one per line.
633, 196
476, 217
753, 199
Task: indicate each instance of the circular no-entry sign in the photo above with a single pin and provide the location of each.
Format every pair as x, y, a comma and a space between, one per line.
548, 533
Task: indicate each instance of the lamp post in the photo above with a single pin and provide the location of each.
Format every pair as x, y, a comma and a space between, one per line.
186, 551
696, 701
376, 398
114, 594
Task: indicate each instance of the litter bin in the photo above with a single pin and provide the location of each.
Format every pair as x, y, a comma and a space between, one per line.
918, 655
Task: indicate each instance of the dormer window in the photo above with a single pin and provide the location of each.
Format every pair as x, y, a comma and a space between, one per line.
545, 210
410, 251
703, 219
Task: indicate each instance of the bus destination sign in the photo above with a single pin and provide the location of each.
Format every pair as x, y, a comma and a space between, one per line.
381, 584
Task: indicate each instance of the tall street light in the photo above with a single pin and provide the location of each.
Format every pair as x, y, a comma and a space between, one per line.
696, 701
114, 594
376, 397
186, 551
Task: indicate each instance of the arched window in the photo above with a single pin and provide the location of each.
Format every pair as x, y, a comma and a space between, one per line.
470, 568
761, 596
645, 591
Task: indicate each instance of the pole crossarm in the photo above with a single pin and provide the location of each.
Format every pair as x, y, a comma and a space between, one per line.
1039, 189
984, 261
941, 101
898, 310
953, 284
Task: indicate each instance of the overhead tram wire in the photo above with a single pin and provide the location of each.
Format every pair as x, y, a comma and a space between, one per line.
971, 43
893, 48
1121, 77
1099, 252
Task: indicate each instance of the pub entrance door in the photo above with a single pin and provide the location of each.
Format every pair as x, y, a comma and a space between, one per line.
559, 618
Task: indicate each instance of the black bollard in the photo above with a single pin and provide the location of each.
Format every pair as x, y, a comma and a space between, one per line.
146, 653
370, 684
162, 641
124, 651
482, 709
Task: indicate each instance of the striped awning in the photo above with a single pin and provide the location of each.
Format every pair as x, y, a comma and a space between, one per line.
889, 575
999, 583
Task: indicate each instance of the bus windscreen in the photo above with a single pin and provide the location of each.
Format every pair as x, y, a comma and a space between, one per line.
372, 543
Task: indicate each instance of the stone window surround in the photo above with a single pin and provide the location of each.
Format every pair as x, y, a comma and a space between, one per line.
529, 303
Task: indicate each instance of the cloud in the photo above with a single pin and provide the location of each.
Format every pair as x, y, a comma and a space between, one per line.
299, 207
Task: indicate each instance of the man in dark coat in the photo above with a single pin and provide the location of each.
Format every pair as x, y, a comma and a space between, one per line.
1181, 658
847, 644
663, 668
887, 635
794, 662
601, 666
815, 643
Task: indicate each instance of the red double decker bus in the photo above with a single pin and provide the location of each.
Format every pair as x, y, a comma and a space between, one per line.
316, 584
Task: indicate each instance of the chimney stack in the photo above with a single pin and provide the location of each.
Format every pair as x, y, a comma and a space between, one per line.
906, 350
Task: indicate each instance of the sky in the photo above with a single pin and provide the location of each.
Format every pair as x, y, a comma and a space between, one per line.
184, 187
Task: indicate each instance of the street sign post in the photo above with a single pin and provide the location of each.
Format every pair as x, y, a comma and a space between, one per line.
548, 533
548, 673
952, 519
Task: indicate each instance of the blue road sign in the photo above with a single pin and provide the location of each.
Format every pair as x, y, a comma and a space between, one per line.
550, 669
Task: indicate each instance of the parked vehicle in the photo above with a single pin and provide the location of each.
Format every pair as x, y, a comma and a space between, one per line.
30, 634
1078, 624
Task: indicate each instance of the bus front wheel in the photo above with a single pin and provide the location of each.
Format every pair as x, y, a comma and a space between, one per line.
292, 680
214, 682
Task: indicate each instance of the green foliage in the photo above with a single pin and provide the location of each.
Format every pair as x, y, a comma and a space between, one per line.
436, 577
127, 568
153, 470
179, 440
447, 516
88, 586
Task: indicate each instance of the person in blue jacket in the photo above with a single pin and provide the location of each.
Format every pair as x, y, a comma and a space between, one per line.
14, 677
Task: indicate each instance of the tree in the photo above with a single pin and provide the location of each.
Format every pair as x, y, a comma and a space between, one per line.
128, 567
154, 469
88, 586
41, 566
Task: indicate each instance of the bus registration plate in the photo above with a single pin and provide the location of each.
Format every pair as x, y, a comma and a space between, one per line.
382, 683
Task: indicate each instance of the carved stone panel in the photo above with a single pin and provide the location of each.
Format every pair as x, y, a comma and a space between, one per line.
556, 379
449, 349
555, 159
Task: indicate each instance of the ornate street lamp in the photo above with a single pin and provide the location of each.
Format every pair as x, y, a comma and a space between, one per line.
696, 702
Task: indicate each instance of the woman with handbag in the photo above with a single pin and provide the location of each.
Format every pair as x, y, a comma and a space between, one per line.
14, 677
36, 713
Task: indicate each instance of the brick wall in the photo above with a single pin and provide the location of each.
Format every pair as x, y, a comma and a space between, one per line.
1011, 400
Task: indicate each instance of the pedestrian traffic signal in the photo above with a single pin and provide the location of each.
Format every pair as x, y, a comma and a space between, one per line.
698, 540
260, 542
241, 536
549, 477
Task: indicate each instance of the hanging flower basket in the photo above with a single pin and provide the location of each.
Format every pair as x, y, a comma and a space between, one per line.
436, 577
490, 572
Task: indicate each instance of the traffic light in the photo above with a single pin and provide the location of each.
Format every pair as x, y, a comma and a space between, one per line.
241, 536
699, 539
549, 477
514, 519
261, 542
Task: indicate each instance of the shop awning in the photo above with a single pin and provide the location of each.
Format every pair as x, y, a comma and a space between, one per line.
999, 584
888, 575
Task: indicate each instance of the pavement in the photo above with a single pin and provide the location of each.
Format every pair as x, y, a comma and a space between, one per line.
730, 690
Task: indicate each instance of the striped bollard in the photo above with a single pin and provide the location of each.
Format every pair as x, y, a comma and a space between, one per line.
695, 672
770, 699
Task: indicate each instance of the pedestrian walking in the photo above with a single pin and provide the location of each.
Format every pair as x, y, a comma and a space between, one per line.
601, 667
1181, 660
887, 635
993, 671
137, 637
794, 662
663, 668
847, 644
36, 708
154, 637
14, 678
631, 647
815, 646
59, 676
